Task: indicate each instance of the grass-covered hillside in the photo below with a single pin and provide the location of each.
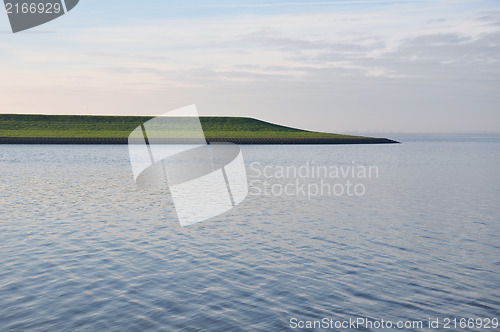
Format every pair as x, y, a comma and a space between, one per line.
71, 126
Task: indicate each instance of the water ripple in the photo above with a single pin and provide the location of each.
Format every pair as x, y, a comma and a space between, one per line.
84, 250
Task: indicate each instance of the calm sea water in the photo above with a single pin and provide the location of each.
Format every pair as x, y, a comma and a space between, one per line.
83, 249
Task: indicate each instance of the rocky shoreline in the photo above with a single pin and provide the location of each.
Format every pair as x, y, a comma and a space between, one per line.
243, 141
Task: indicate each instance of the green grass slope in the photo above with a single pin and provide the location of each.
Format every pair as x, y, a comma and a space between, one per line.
71, 126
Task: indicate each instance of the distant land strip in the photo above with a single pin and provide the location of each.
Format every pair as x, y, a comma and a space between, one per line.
242, 141
82, 129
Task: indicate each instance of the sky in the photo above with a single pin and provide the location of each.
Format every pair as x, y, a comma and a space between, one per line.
341, 66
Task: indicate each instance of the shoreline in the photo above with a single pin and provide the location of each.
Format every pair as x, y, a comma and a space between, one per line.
235, 140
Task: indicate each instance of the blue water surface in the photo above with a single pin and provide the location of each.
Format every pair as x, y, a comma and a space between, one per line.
82, 248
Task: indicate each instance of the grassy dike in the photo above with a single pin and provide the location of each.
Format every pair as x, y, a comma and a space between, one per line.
69, 129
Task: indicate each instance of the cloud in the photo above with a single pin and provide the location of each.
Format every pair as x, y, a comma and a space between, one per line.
402, 62
307, 4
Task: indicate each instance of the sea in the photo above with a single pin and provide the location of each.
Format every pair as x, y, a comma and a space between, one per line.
330, 237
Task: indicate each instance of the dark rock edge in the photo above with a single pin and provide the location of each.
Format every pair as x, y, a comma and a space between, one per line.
256, 141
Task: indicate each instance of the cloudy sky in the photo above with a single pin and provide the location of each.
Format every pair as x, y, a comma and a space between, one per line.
335, 66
